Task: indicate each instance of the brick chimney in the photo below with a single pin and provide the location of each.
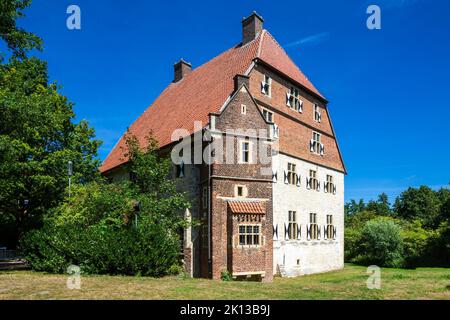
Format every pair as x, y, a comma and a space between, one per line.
240, 79
251, 27
181, 69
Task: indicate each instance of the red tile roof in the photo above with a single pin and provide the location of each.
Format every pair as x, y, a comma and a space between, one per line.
249, 207
204, 91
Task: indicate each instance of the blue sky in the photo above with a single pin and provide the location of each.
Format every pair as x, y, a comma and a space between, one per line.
389, 89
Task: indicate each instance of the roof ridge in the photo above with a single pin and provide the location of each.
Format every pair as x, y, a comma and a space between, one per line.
261, 42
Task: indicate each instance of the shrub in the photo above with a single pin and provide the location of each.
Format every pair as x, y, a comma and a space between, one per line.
380, 243
225, 275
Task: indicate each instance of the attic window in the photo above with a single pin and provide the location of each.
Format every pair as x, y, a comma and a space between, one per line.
266, 86
317, 115
243, 109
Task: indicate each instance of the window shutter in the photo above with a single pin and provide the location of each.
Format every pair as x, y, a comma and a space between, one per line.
275, 130
325, 187
300, 106
325, 232
274, 176
322, 148
275, 231
311, 145
288, 99
318, 185
334, 233
299, 231
263, 89
318, 232
308, 232
286, 231
308, 183
298, 180
285, 177
181, 175
320, 117
334, 188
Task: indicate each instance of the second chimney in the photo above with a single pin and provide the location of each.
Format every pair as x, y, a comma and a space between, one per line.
239, 80
251, 27
181, 69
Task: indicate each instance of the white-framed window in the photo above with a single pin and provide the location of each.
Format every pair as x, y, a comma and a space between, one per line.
268, 115
329, 184
313, 182
243, 109
293, 100
313, 226
205, 197
291, 173
330, 227
240, 191
266, 85
292, 225
249, 235
245, 154
316, 145
317, 114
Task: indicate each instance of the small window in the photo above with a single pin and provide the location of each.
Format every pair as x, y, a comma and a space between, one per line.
266, 85
249, 235
292, 225
317, 115
243, 109
293, 100
205, 197
240, 191
245, 152
329, 184
268, 115
316, 144
314, 228
313, 182
291, 174
330, 227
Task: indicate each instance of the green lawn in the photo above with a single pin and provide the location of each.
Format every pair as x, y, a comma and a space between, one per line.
349, 283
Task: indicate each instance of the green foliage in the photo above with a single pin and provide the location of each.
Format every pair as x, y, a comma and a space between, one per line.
380, 243
421, 203
416, 242
37, 139
17, 39
225, 275
100, 229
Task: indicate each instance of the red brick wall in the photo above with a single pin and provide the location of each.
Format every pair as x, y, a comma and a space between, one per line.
296, 128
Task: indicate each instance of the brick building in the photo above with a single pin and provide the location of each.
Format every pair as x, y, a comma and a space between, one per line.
271, 198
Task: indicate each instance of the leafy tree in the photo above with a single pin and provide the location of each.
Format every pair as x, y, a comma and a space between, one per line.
381, 244
37, 133
353, 207
421, 203
128, 228
17, 39
382, 206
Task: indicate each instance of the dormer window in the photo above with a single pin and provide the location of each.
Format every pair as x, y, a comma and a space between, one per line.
317, 115
266, 85
293, 100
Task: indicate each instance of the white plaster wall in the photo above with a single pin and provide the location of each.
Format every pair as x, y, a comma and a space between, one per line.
314, 255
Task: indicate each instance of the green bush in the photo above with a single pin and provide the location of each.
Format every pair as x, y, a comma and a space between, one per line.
380, 243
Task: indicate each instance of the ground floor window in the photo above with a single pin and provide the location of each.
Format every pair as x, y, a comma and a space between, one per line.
292, 227
249, 235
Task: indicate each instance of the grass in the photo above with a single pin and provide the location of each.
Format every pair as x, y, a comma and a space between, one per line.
349, 283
